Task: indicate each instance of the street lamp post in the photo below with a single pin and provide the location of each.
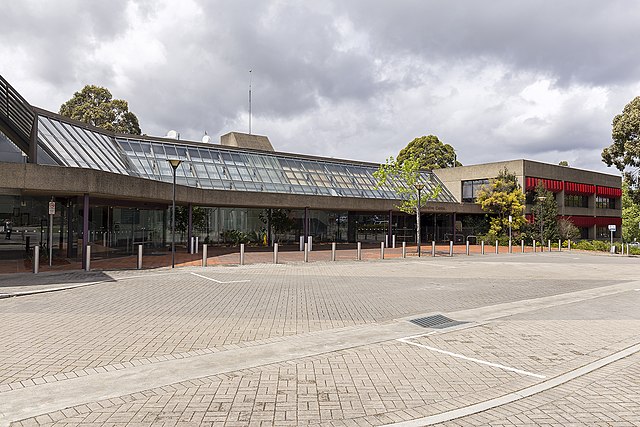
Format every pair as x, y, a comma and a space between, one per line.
419, 187
174, 164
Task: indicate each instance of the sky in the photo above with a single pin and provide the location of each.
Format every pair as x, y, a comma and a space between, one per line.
352, 79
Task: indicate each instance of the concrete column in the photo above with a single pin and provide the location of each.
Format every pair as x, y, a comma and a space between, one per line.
190, 227
85, 229
453, 227
306, 224
390, 228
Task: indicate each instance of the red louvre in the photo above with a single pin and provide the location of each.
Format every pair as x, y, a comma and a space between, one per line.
552, 185
608, 191
577, 188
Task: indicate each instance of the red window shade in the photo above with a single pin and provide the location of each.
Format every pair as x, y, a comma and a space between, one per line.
590, 221
577, 188
609, 191
552, 185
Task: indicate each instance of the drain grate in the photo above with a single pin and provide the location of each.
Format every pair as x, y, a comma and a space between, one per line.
437, 321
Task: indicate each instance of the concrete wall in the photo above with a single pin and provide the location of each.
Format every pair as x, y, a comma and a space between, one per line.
17, 178
452, 177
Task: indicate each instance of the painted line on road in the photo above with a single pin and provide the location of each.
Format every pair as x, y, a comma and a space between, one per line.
521, 394
63, 287
471, 359
218, 281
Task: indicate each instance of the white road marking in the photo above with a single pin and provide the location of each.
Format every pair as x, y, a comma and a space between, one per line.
218, 281
471, 359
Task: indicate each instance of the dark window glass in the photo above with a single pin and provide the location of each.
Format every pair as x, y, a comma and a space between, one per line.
605, 202
576, 201
471, 189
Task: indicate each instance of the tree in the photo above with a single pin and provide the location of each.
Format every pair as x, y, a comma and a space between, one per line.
630, 215
567, 231
198, 218
402, 177
545, 214
430, 153
95, 105
279, 219
503, 197
563, 163
625, 149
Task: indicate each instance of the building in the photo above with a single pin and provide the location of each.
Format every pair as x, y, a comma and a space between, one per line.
113, 191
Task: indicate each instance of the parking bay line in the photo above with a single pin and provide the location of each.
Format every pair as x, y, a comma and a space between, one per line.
471, 359
218, 281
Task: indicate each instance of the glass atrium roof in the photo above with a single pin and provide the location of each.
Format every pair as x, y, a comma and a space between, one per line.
211, 166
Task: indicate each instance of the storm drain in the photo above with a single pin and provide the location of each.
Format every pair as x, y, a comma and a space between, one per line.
437, 321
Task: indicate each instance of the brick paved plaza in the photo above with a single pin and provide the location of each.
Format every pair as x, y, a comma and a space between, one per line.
547, 339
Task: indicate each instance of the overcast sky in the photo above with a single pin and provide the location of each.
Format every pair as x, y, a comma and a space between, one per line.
351, 79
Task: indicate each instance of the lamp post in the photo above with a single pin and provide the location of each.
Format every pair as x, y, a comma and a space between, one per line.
419, 186
174, 164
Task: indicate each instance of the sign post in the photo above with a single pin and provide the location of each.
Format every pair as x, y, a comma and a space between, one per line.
612, 229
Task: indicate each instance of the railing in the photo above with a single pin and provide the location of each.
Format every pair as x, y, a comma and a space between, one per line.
15, 111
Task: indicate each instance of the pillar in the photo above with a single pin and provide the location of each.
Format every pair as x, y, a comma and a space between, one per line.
190, 227
305, 226
85, 229
390, 227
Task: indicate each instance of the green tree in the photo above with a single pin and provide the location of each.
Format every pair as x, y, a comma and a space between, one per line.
630, 215
430, 153
545, 214
198, 218
280, 220
625, 150
563, 163
401, 177
503, 197
95, 105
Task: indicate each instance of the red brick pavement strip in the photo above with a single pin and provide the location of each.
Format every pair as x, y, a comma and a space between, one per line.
231, 256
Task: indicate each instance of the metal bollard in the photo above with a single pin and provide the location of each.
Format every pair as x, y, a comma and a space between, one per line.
569, 245
88, 258
549, 242
306, 252
139, 264
497, 250
204, 255
241, 253
275, 253
333, 251
404, 249
197, 243
382, 244
359, 252
386, 240
522, 245
482, 248
310, 243
191, 245
467, 248
301, 243
510, 247
433, 248
36, 259
450, 247
393, 241
559, 245
534, 246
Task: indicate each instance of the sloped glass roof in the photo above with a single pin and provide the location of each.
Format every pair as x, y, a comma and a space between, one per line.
213, 166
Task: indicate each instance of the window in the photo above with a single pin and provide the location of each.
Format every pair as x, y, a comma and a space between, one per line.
605, 202
470, 189
576, 201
